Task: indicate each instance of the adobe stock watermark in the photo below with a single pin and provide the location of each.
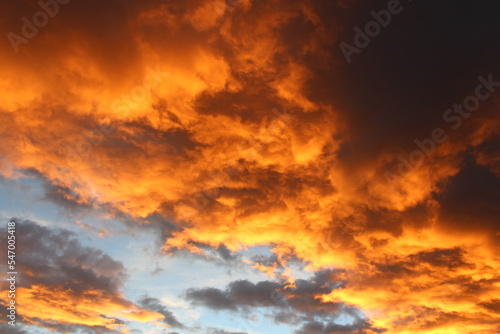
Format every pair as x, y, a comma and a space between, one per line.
11, 272
372, 29
455, 117
123, 104
30, 28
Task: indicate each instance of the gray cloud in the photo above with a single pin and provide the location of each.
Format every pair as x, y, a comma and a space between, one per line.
289, 305
155, 304
56, 257
221, 331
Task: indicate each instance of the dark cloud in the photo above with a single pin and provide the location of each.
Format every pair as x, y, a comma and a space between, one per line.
155, 304
450, 258
469, 202
75, 329
56, 257
238, 294
316, 327
290, 305
221, 331
105, 32
492, 305
421, 53
219, 255
7, 329
487, 154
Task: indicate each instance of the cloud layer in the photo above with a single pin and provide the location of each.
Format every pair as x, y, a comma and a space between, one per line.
65, 286
243, 125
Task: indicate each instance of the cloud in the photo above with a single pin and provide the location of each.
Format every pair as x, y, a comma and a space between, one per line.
155, 305
221, 331
236, 127
316, 327
462, 213
12, 329
65, 285
285, 302
239, 293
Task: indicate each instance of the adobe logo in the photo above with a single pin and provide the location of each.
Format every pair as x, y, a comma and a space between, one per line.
29, 30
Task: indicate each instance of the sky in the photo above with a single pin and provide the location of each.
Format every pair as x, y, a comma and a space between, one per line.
250, 167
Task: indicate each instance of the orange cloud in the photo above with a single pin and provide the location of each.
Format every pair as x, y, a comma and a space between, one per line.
308, 181
90, 308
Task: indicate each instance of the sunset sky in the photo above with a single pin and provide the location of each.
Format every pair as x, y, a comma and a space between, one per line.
251, 166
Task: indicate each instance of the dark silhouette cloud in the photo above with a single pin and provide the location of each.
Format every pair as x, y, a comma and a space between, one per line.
293, 305
155, 304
